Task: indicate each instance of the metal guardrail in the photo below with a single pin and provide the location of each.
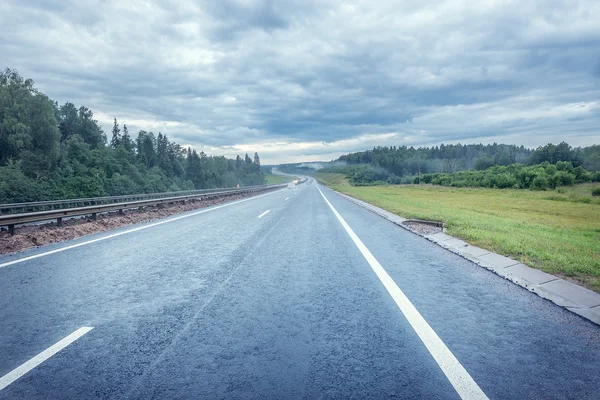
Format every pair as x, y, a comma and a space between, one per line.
11, 220
14, 208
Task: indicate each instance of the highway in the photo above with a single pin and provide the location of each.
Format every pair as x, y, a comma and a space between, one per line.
297, 293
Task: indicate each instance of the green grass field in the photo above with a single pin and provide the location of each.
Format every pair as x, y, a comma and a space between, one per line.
555, 231
275, 179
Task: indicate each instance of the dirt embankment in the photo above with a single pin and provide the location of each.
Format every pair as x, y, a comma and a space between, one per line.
37, 235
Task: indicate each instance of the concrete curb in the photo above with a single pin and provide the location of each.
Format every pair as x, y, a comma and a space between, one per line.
574, 298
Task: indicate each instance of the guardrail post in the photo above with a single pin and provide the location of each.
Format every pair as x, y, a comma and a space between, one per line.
11, 230
121, 212
59, 221
94, 216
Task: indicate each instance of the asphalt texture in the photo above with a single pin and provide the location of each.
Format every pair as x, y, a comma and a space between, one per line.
224, 304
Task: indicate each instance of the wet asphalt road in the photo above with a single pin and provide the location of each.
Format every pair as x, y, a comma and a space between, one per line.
224, 304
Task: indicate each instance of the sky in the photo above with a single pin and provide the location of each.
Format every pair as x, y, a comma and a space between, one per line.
307, 80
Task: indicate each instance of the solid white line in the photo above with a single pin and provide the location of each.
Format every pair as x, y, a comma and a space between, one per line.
20, 260
43, 356
463, 383
263, 214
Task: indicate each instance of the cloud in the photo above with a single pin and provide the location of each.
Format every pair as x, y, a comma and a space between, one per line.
306, 80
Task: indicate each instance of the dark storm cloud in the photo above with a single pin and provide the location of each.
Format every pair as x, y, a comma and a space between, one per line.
311, 79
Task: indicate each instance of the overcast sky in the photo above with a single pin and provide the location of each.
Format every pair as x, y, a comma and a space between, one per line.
307, 80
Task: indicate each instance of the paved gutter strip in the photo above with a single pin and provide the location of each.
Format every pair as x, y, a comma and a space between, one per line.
574, 298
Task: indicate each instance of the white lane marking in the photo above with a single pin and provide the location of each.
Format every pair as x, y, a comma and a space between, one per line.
263, 214
43, 356
20, 260
287, 198
458, 376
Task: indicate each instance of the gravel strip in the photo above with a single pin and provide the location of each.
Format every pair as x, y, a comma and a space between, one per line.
423, 229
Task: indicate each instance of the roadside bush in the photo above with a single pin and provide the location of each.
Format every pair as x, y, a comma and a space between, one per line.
537, 177
394, 180
16, 187
84, 186
564, 166
562, 178
406, 180
526, 176
581, 175
442, 179
427, 178
462, 183
121, 185
539, 183
502, 181
367, 176
549, 168
596, 192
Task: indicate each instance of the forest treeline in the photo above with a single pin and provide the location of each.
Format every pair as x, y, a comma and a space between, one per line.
49, 152
474, 165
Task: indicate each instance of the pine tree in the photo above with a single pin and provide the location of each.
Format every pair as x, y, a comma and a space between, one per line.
162, 154
126, 141
116, 136
256, 159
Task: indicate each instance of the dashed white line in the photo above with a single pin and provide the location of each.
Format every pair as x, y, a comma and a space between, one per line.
458, 376
287, 198
263, 214
43, 356
20, 260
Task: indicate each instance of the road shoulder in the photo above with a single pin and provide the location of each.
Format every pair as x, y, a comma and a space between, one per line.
574, 298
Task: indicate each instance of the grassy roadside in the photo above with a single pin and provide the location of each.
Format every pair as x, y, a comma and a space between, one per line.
276, 179
556, 232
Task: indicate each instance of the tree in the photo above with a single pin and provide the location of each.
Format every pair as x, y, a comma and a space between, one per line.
194, 169
163, 159
69, 121
248, 160
146, 148
256, 159
49, 152
555, 153
89, 129
484, 162
126, 140
28, 126
116, 136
